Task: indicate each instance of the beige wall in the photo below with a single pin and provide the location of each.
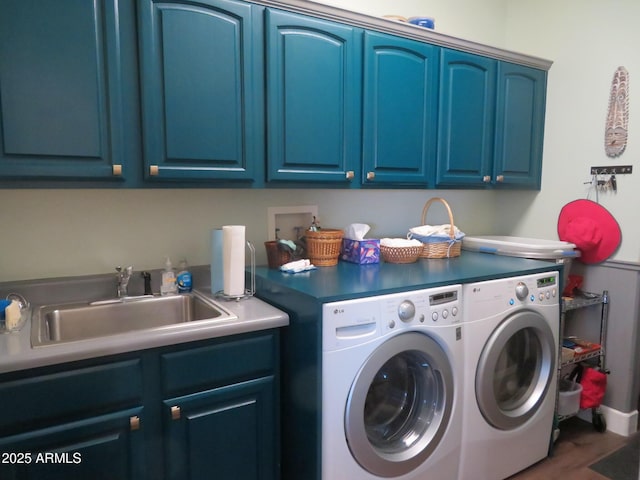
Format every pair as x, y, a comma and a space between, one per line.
51, 233
587, 40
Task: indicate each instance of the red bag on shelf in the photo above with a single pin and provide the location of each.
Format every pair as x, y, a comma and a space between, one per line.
594, 386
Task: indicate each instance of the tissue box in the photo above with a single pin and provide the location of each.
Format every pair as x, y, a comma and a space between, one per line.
361, 251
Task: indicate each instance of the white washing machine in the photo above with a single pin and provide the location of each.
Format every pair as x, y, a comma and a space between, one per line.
511, 347
392, 386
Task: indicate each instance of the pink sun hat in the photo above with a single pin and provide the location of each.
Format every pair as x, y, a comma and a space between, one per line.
591, 228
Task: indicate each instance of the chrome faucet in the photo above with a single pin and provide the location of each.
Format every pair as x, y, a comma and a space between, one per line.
123, 277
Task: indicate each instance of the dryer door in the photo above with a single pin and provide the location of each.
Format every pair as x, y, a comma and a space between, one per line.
399, 405
515, 370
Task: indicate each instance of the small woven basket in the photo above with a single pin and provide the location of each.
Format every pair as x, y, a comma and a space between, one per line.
323, 246
446, 247
276, 255
400, 254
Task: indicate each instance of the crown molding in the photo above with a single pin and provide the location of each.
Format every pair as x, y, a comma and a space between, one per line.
406, 30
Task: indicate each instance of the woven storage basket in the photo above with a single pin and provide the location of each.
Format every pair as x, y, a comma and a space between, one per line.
400, 254
323, 246
276, 255
440, 247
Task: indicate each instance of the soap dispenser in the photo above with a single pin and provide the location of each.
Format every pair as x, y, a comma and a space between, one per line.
184, 278
168, 286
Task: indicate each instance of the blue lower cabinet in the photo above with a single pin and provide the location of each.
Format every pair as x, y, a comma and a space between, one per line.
103, 447
131, 416
226, 433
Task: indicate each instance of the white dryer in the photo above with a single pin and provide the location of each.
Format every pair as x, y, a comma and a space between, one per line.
391, 386
511, 347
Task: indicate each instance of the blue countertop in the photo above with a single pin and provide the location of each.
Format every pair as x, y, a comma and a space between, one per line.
348, 280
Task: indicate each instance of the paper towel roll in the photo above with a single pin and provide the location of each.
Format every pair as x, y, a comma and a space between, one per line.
233, 251
217, 267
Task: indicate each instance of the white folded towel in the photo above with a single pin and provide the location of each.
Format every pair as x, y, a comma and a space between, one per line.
399, 242
436, 230
297, 266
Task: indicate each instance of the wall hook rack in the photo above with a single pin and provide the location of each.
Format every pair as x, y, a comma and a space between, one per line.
613, 170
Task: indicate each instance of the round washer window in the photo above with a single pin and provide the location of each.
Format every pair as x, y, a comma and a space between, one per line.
515, 370
400, 402
399, 405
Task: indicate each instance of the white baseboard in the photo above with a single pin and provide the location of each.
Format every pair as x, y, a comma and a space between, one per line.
624, 424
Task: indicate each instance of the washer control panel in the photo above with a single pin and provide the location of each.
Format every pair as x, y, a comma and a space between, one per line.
497, 297
353, 322
538, 289
431, 307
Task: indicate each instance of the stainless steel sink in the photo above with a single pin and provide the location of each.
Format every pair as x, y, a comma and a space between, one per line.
54, 324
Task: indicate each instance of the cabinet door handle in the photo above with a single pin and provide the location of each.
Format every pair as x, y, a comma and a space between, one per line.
153, 170
350, 174
371, 175
486, 179
175, 413
134, 423
500, 178
116, 170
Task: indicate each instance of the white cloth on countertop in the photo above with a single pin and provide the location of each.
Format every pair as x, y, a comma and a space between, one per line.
399, 242
297, 266
436, 231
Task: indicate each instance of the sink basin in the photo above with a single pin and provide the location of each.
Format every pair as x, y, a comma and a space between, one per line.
54, 324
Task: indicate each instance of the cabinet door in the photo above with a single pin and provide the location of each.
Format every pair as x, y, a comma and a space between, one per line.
202, 89
314, 83
62, 113
105, 447
467, 118
400, 110
229, 433
519, 125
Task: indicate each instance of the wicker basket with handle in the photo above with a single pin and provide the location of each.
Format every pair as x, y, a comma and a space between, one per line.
323, 246
439, 246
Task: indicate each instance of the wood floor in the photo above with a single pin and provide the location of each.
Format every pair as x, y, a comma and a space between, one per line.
577, 447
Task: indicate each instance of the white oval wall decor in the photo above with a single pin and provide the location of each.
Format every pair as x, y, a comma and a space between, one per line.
615, 135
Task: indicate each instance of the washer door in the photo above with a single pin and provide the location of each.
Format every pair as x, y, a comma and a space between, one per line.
515, 370
399, 405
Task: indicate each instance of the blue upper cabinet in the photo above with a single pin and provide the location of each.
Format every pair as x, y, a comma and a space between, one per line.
122, 93
400, 110
314, 89
491, 122
519, 126
62, 89
202, 90
467, 118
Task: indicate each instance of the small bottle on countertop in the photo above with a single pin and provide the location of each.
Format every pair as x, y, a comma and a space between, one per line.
184, 278
168, 286
12, 316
